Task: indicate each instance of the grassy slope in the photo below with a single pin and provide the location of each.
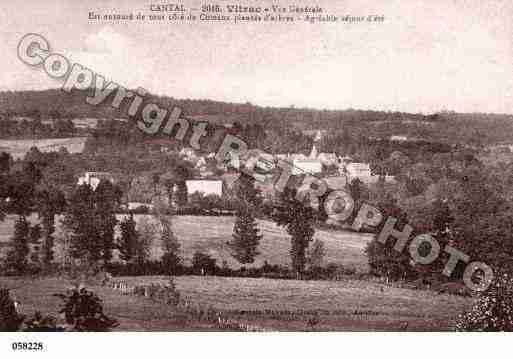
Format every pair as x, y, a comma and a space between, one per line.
277, 304
18, 148
346, 305
210, 234
133, 313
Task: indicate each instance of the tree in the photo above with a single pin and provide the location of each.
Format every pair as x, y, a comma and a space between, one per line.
34, 238
246, 237
10, 320
170, 246
5, 162
378, 163
17, 258
81, 224
49, 202
91, 219
83, 310
493, 311
64, 127
299, 220
21, 189
107, 198
383, 259
203, 263
127, 244
174, 181
147, 234
483, 220
316, 254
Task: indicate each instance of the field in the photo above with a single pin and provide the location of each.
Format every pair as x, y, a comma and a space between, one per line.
210, 234
267, 303
18, 148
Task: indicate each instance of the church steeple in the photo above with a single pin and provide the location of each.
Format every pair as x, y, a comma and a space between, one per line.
313, 153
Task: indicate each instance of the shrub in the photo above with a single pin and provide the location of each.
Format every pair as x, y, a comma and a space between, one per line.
83, 311
38, 323
203, 263
493, 310
10, 320
167, 294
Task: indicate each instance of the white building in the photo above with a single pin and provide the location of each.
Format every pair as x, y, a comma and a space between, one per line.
398, 138
328, 159
358, 170
138, 205
93, 179
306, 166
363, 172
205, 186
303, 164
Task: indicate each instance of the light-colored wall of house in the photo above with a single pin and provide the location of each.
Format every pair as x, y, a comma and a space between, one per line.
93, 179
301, 167
205, 186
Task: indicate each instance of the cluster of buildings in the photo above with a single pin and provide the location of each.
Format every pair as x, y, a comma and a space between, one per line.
342, 170
316, 163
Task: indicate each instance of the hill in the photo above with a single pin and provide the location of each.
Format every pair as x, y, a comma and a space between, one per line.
447, 126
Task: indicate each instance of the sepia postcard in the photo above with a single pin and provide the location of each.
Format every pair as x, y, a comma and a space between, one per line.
255, 166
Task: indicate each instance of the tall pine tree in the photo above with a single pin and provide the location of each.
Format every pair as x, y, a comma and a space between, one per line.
246, 236
50, 201
127, 244
170, 246
17, 259
298, 219
107, 199
90, 220
80, 223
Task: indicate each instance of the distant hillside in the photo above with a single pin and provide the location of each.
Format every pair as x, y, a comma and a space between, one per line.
446, 126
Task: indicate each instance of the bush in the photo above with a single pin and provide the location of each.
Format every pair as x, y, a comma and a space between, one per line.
167, 294
10, 320
331, 272
38, 323
83, 311
203, 263
82, 272
493, 311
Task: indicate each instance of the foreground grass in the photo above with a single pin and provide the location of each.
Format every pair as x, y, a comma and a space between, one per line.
341, 305
351, 305
132, 312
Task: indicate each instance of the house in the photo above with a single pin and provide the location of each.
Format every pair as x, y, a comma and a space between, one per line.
188, 154
310, 166
358, 170
93, 179
398, 138
363, 172
134, 206
205, 186
328, 159
336, 182
303, 164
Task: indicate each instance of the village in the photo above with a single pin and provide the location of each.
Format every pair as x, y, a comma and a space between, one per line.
338, 171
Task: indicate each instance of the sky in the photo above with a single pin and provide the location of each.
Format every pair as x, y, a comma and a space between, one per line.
426, 56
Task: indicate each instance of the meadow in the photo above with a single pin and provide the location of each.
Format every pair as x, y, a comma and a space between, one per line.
209, 234
18, 148
270, 304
